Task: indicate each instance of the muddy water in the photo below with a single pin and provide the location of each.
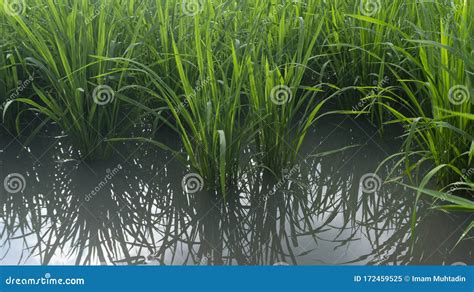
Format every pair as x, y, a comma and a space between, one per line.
132, 209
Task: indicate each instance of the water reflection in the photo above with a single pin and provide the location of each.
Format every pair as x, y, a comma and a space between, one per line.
133, 210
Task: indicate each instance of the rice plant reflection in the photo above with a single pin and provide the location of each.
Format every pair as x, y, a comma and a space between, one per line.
314, 213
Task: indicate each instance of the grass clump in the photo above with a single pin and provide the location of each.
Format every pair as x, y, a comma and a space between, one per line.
58, 42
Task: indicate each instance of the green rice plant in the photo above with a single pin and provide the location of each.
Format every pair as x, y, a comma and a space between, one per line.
283, 108
457, 196
211, 126
222, 49
443, 87
59, 40
13, 81
9, 79
279, 122
357, 52
463, 186
435, 105
160, 21
205, 102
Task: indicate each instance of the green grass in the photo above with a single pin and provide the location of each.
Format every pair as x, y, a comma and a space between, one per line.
281, 104
439, 128
13, 82
58, 43
231, 107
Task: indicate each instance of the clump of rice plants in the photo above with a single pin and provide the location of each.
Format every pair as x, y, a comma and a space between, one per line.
218, 103
10, 83
14, 82
436, 102
281, 105
205, 101
58, 41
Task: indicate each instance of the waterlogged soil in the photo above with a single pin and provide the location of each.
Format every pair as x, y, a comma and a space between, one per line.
132, 209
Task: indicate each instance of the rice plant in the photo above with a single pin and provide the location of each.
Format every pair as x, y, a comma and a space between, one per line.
9, 80
216, 106
435, 105
436, 102
282, 106
13, 81
58, 41
205, 102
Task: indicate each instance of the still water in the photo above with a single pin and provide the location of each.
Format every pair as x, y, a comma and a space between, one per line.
133, 210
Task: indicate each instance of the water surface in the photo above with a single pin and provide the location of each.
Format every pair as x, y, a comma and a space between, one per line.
132, 209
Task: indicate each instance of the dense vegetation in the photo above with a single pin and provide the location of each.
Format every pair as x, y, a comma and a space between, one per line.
227, 74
